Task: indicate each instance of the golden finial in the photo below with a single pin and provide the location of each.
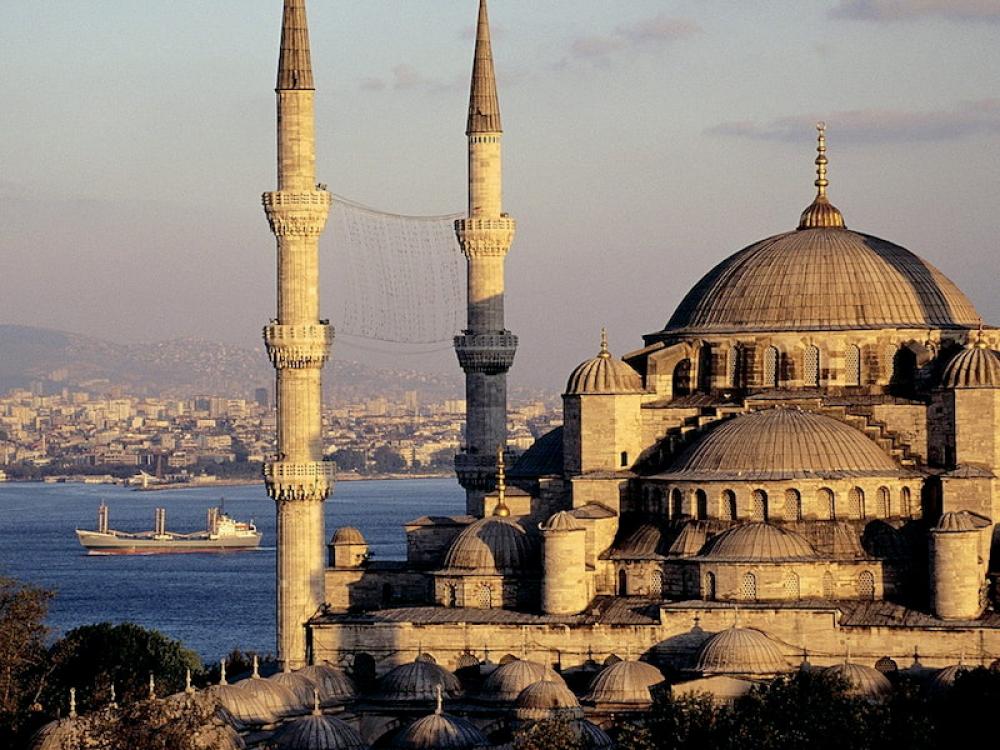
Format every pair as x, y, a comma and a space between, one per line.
72, 703
187, 682
316, 709
980, 344
501, 510
604, 343
256, 667
821, 213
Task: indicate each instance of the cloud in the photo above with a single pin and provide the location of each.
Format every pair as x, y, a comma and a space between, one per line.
372, 84
868, 126
649, 33
906, 10
405, 77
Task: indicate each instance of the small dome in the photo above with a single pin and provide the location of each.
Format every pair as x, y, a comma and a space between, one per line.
758, 542
603, 375
740, 651
301, 688
334, 686
690, 541
493, 544
780, 444
645, 541
546, 700
57, 735
590, 735
274, 696
562, 521
961, 520
862, 681
347, 535
245, 707
506, 682
440, 732
624, 683
973, 367
944, 679
417, 682
318, 732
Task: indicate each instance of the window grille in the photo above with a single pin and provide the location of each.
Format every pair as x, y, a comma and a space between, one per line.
883, 503
727, 511
771, 367
792, 588
811, 369
866, 585
852, 366
748, 587
485, 597
827, 504
856, 503
793, 505
829, 590
759, 510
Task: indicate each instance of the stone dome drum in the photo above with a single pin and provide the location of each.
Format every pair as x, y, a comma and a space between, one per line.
757, 542
492, 544
780, 444
740, 651
822, 279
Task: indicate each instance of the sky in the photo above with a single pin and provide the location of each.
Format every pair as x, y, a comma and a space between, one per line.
645, 140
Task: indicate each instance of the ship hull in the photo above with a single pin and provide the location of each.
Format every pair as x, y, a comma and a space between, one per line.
109, 544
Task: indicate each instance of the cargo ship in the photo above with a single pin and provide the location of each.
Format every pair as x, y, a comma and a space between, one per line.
223, 534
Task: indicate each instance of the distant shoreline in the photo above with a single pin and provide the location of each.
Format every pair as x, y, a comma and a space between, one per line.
347, 477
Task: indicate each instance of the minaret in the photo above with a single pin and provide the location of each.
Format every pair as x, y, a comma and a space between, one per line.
298, 343
486, 348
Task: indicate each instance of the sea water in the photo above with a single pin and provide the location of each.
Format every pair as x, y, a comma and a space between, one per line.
211, 602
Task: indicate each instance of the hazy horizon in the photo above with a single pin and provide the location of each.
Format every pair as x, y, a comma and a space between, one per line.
644, 142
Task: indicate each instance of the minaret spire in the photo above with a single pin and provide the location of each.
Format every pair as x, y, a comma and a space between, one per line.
294, 62
484, 105
486, 348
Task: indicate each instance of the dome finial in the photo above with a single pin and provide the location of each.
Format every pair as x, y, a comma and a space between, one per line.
222, 672
152, 687
113, 703
72, 703
821, 213
188, 688
439, 708
256, 667
980, 344
316, 708
501, 510
604, 343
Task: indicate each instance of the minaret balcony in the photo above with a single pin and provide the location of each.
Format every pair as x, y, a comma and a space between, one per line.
485, 236
490, 353
297, 213
298, 347
299, 480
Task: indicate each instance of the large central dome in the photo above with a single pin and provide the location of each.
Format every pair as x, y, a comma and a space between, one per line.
822, 279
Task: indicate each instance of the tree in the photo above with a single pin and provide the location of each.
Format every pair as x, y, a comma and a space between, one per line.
23, 656
92, 658
387, 461
553, 734
348, 459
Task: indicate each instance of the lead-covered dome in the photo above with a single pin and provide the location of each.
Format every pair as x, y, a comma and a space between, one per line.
603, 375
506, 682
492, 544
779, 444
973, 367
625, 683
547, 699
822, 279
334, 686
862, 681
740, 651
417, 682
439, 731
758, 542
318, 732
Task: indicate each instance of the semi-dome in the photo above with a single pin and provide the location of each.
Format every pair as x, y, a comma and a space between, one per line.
492, 544
276, 697
334, 686
645, 541
740, 651
961, 520
439, 731
758, 542
690, 541
547, 699
245, 707
780, 444
603, 375
862, 681
973, 367
299, 685
318, 732
347, 535
417, 682
625, 683
506, 682
562, 521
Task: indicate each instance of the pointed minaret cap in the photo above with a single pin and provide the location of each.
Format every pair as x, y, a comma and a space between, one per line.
294, 62
484, 106
821, 213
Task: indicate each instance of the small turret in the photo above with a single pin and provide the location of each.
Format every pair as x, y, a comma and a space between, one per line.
564, 562
957, 566
348, 548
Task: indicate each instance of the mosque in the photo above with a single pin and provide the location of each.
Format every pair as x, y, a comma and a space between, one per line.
798, 470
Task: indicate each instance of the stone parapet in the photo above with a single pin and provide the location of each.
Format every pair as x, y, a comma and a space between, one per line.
476, 472
490, 353
298, 346
485, 237
297, 214
305, 480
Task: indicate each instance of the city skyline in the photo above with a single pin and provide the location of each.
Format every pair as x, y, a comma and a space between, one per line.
113, 158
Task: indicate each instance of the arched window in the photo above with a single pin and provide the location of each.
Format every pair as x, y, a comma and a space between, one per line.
810, 368
705, 368
758, 511
793, 505
622, 583
906, 500
709, 592
856, 503
682, 378
624, 458
771, 357
701, 504
656, 583
866, 585
676, 503
882, 509
829, 589
363, 669
733, 368
485, 597
727, 506
852, 365
826, 503
791, 586
748, 587
887, 665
